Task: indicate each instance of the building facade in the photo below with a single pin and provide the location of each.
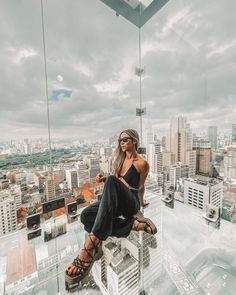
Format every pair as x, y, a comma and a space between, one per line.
212, 136
8, 217
181, 143
200, 192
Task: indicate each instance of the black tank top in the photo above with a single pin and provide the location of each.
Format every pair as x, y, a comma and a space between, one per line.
132, 177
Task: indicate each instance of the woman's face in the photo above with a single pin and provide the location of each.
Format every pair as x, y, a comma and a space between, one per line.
126, 142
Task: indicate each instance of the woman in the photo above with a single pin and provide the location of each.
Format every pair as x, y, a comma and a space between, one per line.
122, 196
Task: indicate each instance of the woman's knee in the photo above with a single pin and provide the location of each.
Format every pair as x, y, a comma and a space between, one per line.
83, 216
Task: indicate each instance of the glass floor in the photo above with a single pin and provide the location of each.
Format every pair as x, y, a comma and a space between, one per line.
186, 256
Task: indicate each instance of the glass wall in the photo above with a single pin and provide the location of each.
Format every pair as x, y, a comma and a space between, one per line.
81, 60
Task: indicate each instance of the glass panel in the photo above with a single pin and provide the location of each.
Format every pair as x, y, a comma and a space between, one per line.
93, 81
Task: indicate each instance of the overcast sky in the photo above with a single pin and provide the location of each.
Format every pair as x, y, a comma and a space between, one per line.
188, 51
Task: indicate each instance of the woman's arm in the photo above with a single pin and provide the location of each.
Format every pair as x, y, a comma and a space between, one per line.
143, 176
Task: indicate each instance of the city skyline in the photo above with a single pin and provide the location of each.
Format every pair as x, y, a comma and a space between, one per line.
187, 52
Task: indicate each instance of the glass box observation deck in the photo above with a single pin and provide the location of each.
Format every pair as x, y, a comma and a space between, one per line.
187, 255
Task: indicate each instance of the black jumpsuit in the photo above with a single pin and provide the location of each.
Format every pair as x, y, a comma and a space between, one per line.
113, 215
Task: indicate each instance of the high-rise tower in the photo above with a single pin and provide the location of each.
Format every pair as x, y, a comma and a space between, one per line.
181, 143
212, 136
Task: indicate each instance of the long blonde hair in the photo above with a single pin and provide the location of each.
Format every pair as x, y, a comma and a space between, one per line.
119, 154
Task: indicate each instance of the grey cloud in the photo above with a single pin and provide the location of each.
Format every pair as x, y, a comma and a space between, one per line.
88, 45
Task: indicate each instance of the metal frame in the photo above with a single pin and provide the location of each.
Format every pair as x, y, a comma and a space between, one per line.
133, 14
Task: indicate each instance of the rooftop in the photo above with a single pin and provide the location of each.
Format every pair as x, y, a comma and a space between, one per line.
203, 180
122, 263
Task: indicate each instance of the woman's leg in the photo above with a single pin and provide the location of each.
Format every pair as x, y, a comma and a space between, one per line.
116, 199
121, 226
100, 219
88, 216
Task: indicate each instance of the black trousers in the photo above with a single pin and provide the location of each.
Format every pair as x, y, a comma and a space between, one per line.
113, 215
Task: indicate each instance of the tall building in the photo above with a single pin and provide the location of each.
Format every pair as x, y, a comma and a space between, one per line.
8, 216
180, 143
203, 156
148, 139
21, 180
233, 133
178, 171
212, 136
94, 167
155, 157
83, 173
39, 181
15, 191
58, 177
201, 191
50, 190
230, 163
123, 275
72, 178
168, 159
163, 142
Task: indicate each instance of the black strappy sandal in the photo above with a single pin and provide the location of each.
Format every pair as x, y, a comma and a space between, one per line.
83, 267
147, 223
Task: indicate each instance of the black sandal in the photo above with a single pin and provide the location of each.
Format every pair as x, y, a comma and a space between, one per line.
84, 267
147, 223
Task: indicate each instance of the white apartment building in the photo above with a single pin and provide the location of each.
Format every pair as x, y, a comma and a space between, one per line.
72, 178
123, 275
15, 191
155, 157
8, 217
202, 191
118, 271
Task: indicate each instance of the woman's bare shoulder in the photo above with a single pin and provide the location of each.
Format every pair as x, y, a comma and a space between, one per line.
142, 163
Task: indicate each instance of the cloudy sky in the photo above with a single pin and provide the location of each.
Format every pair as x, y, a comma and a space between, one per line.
188, 51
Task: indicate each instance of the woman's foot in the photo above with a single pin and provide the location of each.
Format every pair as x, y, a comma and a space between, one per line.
139, 226
144, 224
86, 257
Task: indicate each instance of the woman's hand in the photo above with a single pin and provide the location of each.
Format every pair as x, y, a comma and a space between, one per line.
100, 178
144, 203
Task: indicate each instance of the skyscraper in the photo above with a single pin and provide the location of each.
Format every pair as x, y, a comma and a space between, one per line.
212, 136
148, 136
8, 222
155, 158
203, 156
230, 163
233, 133
94, 166
72, 178
83, 173
181, 142
50, 191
